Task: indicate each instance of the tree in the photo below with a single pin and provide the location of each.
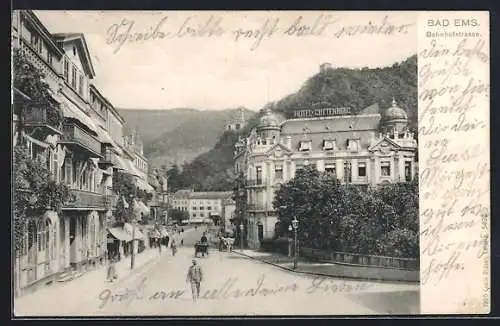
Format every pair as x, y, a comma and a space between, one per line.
34, 192
332, 216
30, 80
178, 215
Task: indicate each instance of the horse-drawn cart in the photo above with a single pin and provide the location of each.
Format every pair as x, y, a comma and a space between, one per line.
201, 248
226, 244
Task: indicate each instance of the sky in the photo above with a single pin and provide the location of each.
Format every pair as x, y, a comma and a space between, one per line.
229, 69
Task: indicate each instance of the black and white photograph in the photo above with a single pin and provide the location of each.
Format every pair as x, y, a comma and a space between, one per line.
215, 163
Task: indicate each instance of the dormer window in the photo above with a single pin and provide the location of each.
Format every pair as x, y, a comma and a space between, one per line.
305, 145
328, 145
353, 145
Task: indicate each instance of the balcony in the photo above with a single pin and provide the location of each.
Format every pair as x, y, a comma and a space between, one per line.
87, 200
74, 135
259, 207
255, 183
108, 158
42, 117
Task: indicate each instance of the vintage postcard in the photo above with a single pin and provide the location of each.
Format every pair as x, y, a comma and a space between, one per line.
250, 163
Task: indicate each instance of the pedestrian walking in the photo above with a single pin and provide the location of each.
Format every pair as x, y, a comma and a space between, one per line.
195, 277
173, 246
112, 275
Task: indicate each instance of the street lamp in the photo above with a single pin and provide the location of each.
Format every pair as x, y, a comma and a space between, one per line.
295, 226
241, 236
132, 256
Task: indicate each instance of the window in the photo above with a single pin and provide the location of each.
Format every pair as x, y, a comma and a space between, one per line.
73, 78
202, 208
201, 214
80, 85
66, 69
194, 208
328, 145
347, 172
361, 169
35, 41
258, 173
49, 58
194, 214
305, 145
352, 145
74, 50
278, 172
385, 169
408, 171
330, 168
209, 208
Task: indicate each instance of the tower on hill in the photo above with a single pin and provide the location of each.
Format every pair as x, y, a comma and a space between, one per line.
238, 122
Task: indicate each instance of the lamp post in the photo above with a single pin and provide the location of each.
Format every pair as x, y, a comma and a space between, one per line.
295, 226
132, 256
241, 236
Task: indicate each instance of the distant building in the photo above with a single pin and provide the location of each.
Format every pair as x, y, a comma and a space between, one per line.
363, 149
238, 122
201, 205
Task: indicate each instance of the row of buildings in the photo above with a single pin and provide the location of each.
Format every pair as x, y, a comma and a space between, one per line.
203, 206
84, 152
371, 147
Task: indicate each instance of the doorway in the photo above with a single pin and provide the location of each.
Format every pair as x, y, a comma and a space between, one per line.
72, 241
260, 231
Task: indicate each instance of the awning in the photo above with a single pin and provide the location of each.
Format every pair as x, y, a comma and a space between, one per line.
141, 207
120, 234
71, 111
36, 141
104, 137
129, 228
144, 185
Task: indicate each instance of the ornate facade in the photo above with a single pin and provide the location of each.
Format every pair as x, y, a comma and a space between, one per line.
363, 149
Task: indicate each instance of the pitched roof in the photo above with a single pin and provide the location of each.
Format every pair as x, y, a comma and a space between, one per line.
79, 38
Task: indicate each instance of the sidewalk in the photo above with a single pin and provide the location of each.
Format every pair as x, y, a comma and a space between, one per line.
334, 270
47, 300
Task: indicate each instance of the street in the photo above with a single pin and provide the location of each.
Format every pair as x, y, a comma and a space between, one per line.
237, 285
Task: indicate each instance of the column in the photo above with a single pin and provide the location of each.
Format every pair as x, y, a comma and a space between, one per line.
339, 169
292, 169
320, 165
397, 171
66, 243
286, 164
354, 169
375, 170
368, 169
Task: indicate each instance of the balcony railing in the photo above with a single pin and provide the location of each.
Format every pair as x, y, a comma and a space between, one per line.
108, 157
259, 207
42, 116
76, 135
87, 199
255, 182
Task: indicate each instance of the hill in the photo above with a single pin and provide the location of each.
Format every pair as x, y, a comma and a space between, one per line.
176, 136
354, 88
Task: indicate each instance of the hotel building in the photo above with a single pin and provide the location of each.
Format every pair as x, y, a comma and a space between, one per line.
364, 149
201, 205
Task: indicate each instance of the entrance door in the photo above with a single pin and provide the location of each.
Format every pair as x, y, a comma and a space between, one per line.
260, 230
72, 240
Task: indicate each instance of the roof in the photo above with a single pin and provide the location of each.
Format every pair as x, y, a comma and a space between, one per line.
79, 39
33, 20
331, 124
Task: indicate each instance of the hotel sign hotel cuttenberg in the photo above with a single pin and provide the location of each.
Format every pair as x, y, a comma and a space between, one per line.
326, 112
